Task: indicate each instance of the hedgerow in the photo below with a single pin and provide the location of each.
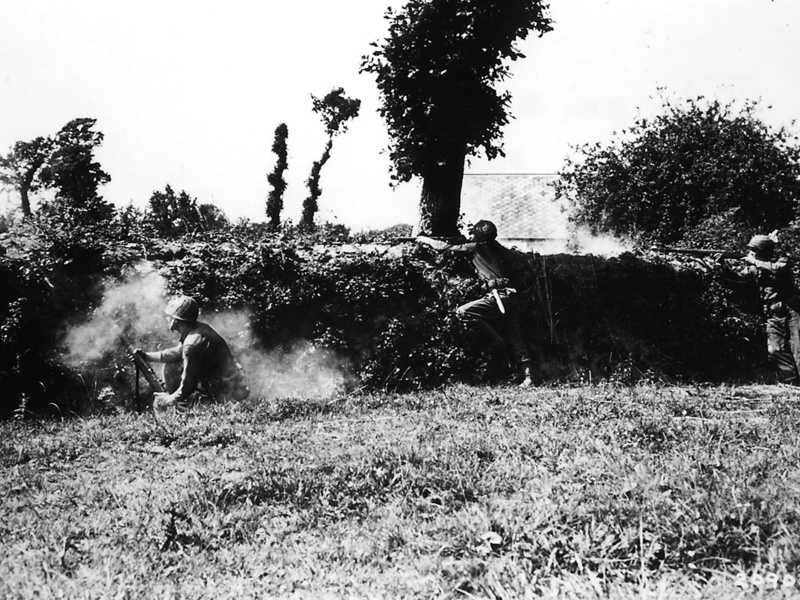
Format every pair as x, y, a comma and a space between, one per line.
387, 312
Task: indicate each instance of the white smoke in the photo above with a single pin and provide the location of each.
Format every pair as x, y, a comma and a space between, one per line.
581, 241
135, 308
304, 371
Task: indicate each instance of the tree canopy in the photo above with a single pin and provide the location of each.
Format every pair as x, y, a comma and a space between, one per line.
436, 73
64, 163
681, 175
20, 167
172, 214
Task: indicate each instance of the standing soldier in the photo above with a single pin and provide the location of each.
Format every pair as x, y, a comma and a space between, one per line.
779, 300
201, 363
500, 307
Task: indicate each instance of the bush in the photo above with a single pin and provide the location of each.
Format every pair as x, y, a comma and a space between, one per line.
671, 179
389, 315
393, 316
52, 274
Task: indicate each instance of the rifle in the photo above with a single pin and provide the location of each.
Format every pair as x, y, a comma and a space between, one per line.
141, 365
700, 252
453, 239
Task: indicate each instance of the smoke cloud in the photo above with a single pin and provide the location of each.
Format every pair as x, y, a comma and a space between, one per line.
583, 242
135, 308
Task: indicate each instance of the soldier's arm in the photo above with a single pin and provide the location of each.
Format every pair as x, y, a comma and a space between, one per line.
163, 356
774, 266
445, 245
190, 377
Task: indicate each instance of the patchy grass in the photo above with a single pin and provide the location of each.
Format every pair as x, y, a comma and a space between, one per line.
579, 492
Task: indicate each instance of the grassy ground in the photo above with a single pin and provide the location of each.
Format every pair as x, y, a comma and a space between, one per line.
580, 492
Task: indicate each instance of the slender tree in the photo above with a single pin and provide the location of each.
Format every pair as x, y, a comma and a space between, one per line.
335, 110
435, 72
21, 167
275, 179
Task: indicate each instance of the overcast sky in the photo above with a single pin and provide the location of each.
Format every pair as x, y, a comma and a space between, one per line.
189, 93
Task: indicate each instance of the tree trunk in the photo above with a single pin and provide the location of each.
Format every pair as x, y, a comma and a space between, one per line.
440, 203
25, 201
24, 188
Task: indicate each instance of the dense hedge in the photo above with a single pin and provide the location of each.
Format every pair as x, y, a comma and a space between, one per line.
388, 313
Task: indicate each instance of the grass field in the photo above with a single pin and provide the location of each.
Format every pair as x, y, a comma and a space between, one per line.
556, 492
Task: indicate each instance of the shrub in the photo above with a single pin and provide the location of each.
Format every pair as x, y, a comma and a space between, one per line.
388, 315
671, 178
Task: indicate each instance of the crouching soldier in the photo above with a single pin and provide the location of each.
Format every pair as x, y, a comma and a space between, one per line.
201, 365
499, 309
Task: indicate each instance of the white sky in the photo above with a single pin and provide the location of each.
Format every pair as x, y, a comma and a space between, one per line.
189, 93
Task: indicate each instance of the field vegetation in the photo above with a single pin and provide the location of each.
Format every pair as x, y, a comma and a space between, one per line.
582, 491
381, 453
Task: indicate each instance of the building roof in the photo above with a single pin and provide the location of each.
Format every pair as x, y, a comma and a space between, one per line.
521, 205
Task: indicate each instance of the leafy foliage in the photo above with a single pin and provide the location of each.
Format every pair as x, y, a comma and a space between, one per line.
275, 179
436, 71
677, 177
21, 166
171, 214
335, 109
65, 163
52, 272
387, 315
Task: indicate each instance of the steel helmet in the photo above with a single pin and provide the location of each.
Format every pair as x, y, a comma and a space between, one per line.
763, 245
183, 308
483, 231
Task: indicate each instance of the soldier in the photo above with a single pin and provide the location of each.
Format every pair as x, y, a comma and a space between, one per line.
499, 309
772, 276
201, 363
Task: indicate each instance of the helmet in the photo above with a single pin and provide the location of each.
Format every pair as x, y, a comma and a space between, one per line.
483, 231
762, 245
182, 308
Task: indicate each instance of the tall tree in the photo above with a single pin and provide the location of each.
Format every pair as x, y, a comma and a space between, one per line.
275, 179
21, 167
76, 176
699, 173
435, 72
335, 110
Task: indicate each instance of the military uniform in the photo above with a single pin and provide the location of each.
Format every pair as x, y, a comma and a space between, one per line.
203, 362
500, 308
780, 305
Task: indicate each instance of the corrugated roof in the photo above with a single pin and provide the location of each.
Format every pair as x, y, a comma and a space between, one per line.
522, 205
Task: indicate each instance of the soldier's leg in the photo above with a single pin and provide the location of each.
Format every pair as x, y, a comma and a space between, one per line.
794, 341
482, 314
778, 347
511, 332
